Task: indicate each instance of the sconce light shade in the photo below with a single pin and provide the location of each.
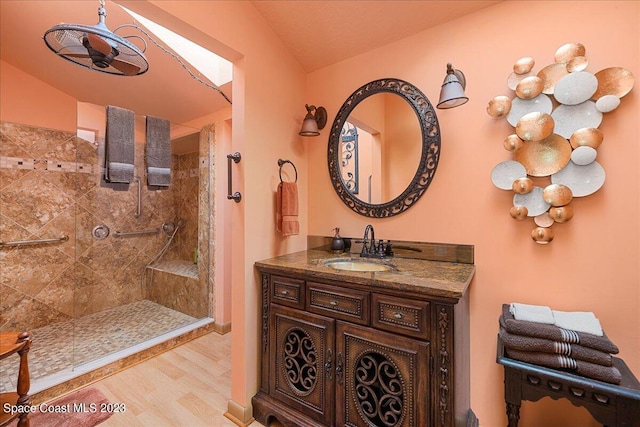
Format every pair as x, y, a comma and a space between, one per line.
313, 123
452, 91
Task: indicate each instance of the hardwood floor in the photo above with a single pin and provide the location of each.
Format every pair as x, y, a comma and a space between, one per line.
187, 386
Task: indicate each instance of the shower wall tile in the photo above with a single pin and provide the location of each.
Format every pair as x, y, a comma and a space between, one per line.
33, 201
62, 225
40, 142
51, 185
180, 293
58, 294
206, 213
9, 304
28, 269
26, 311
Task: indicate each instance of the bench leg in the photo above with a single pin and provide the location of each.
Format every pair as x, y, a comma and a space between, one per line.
512, 395
513, 414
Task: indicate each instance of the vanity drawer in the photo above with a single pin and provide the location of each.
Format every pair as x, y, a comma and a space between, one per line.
287, 291
344, 304
400, 315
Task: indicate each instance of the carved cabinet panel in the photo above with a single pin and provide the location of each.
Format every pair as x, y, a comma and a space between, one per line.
301, 362
384, 380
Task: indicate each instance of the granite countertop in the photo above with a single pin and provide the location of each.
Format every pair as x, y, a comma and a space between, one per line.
435, 278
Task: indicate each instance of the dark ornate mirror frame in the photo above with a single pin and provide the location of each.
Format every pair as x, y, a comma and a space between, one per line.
428, 160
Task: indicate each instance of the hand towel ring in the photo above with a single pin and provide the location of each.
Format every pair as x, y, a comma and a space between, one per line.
281, 163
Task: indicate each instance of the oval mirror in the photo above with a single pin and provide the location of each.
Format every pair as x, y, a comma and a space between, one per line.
384, 148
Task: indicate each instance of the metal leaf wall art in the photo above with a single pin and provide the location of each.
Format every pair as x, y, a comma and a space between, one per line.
556, 113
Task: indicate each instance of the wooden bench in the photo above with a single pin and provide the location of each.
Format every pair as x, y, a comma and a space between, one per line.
10, 343
610, 404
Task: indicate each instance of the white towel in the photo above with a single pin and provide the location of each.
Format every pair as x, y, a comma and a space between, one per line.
581, 321
532, 313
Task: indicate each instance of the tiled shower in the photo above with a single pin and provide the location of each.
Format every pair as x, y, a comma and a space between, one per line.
84, 297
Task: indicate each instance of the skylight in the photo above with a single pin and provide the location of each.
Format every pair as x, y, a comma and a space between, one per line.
215, 68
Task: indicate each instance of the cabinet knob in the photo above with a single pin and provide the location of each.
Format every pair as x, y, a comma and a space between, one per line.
333, 303
284, 292
398, 315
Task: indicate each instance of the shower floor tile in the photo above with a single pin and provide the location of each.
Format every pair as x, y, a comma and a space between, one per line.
54, 349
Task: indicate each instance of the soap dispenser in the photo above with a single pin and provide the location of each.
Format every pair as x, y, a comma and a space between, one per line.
337, 244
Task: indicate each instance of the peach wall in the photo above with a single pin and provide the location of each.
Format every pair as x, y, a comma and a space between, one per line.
593, 263
27, 100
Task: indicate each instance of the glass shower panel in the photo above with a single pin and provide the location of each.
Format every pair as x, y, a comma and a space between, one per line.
135, 277
37, 194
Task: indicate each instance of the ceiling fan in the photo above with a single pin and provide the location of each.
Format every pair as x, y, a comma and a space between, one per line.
96, 47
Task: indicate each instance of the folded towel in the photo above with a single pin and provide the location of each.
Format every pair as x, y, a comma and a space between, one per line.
609, 374
575, 351
579, 321
287, 208
532, 313
158, 152
119, 145
552, 332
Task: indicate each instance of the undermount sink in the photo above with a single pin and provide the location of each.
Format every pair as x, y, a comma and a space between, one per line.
357, 266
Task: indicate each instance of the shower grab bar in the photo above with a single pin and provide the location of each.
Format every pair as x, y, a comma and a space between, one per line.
139, 207
235, 196
34, 242
135, 233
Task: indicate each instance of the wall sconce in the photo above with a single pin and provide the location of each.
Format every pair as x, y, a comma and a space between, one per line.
313, 123
452, 91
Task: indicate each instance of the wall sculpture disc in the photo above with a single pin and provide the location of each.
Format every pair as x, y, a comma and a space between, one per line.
556, 113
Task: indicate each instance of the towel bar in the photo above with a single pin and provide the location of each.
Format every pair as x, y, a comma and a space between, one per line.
235, 196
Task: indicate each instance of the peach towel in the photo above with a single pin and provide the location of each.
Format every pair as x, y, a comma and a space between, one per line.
287, 209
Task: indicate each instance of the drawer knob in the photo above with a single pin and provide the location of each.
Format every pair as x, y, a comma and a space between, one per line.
334, 303
398, 315
533, 380
601, 398
554, 385
578, 392
284, 292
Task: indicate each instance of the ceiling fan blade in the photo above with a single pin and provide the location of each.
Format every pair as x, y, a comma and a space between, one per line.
99, 44
77, 55
125, 68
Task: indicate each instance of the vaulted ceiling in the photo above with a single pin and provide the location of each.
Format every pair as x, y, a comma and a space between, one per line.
318, 33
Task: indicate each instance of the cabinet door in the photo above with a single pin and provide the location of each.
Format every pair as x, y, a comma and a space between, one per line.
381, 379
302, 362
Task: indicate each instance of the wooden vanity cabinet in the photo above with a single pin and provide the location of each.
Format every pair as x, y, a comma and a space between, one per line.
341, 354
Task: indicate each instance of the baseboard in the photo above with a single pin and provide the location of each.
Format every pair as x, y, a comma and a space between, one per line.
238, 414
472, 420
222, 328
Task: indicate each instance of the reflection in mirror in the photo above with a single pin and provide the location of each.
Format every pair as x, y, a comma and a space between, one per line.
384, 148
349, 164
